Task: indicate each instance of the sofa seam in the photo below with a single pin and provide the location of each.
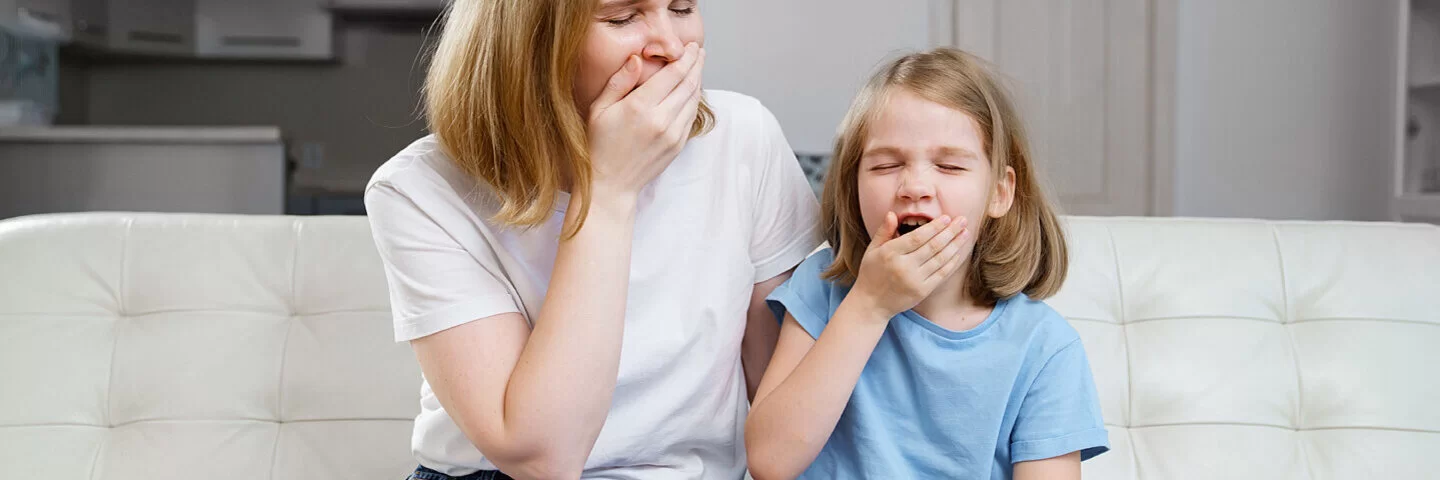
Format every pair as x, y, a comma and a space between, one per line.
1288, 317
114, 346
1124, 332
285, 346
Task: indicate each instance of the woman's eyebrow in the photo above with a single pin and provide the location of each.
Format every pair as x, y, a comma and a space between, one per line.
617, 6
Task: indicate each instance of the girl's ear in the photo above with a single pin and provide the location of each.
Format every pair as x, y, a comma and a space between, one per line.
1003, 196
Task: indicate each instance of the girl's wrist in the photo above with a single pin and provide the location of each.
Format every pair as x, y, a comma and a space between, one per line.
867, 308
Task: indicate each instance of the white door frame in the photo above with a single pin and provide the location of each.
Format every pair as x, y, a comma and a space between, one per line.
963, 15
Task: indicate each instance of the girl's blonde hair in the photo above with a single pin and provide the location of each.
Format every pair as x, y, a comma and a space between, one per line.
1023, 250
499, 96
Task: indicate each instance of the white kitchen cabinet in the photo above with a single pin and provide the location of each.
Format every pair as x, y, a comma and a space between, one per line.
146, 27
388, 5
252, 29
236, 170
44, 18
153, 26
264, 29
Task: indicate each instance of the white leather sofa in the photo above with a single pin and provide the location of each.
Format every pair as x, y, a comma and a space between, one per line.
145, 346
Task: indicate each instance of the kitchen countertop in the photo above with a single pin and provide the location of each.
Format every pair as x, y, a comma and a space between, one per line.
140, 134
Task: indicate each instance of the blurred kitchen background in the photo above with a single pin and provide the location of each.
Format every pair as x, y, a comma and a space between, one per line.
1279, 109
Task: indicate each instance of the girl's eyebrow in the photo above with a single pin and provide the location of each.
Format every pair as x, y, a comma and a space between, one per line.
943, 151
949, 151
882, 150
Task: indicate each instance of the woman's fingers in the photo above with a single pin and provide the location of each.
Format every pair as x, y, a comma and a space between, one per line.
659, 86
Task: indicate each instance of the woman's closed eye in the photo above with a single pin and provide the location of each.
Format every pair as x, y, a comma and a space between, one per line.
620, 22
682, 7
629, 19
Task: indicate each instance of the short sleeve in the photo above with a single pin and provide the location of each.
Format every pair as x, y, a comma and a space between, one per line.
787, 214
806, 295
1061, 411
434, 283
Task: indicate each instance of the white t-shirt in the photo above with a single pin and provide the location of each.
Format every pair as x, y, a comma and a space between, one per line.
732, 210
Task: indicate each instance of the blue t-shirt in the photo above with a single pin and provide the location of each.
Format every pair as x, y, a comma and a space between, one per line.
936, 403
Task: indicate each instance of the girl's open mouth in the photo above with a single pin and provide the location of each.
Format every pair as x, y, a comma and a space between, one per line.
910, 223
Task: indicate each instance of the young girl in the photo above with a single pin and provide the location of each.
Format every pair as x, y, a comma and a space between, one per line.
922, 350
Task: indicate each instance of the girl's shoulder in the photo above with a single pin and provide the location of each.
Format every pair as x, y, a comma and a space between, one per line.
812, 270
1038, 324
807, 295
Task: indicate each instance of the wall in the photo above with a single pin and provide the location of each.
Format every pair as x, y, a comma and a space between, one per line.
1284, 108
360, 110
806, 59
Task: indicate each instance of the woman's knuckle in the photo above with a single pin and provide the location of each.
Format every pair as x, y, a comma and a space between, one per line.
654, 127
632, 109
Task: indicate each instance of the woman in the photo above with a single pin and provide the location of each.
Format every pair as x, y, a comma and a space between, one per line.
579, 254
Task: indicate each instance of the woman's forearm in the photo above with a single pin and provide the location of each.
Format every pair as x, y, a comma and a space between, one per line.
562, 385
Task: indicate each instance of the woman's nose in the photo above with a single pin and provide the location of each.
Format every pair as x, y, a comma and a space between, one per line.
662, 43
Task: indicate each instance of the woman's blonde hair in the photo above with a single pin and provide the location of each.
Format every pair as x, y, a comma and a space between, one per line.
499, 96
1023, 250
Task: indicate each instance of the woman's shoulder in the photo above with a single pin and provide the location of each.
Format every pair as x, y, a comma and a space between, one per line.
728, 101
420, 161
740, 114
423, 175
425, 169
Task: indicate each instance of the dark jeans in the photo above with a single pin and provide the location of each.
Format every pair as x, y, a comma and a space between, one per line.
422, 473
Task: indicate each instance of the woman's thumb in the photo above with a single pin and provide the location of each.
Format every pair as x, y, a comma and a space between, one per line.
620, 85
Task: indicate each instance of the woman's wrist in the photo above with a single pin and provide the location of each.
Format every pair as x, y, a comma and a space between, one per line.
606, 202
613, 196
